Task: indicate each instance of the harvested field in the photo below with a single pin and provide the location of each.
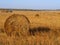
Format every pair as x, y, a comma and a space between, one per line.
21, 27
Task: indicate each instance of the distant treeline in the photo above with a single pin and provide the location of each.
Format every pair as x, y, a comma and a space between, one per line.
32, 9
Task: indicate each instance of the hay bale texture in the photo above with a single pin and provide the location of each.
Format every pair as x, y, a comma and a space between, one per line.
16, 25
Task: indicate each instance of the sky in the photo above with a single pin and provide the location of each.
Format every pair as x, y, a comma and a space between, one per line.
30, 4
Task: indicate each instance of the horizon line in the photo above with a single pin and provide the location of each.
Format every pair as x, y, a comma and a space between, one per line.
30, 9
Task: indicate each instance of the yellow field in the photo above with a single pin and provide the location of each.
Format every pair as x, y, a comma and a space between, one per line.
49, 19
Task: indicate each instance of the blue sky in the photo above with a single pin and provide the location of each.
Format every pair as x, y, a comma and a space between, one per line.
30, 4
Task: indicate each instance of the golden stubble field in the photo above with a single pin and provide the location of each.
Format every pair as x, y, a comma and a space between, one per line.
43, 28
